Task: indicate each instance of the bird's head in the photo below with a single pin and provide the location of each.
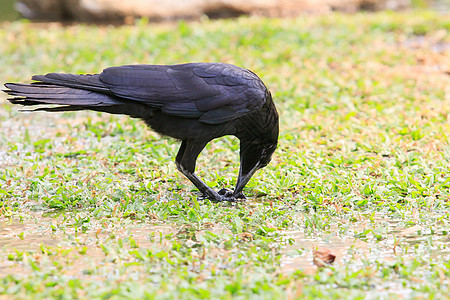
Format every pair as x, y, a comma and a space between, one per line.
258, 142
254, 156
264, 152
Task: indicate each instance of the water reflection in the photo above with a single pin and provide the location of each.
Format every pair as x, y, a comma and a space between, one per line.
356, 250
358, 247
40, 232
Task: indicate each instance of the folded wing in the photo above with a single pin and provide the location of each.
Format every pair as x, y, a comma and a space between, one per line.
215, 93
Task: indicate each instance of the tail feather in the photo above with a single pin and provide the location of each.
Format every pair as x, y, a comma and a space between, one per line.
58, 92
86, 82
35, 87
48, 94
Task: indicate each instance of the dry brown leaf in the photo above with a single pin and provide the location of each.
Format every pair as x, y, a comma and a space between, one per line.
245, 236
323, 257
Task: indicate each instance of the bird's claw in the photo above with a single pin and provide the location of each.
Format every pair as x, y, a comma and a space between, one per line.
229, 195
225, 192
224, 195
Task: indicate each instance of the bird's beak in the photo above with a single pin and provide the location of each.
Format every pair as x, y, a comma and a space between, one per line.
243, 179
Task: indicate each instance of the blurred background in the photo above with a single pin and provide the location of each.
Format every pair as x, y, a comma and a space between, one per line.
118, 11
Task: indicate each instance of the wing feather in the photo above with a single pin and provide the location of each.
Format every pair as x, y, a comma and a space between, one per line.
213, 92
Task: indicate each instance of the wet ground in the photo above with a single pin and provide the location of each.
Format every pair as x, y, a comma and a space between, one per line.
358, 245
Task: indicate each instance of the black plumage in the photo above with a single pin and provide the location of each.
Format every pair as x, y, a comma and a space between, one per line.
194, 102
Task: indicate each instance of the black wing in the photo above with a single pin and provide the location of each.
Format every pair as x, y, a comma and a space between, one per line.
213, 92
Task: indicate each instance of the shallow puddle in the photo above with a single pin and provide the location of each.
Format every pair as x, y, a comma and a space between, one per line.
301, 254
38, 233
19, 235
84, 246
350, 250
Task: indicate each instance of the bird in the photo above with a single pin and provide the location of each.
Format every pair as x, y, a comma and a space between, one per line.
191, 102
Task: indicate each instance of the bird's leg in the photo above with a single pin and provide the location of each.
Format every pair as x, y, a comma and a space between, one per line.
186, 159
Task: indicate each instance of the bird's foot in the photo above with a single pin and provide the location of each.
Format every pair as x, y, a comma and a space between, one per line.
229, 194
224, 195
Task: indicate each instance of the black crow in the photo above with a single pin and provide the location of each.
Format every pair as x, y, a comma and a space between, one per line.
194, 102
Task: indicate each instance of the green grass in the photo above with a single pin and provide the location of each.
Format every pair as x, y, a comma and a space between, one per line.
92, 205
